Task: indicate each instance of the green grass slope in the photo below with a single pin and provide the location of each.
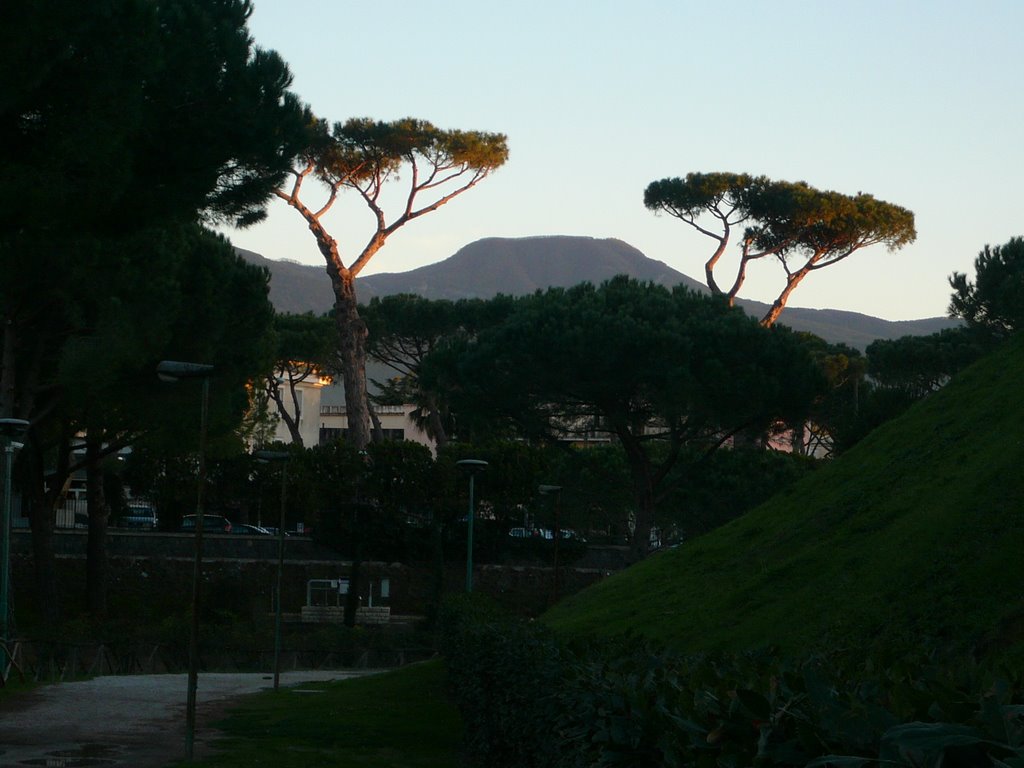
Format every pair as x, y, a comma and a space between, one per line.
917, 532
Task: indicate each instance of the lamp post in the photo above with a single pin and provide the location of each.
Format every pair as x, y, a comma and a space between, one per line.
282, 457
172, 371
473, 467
9, 429
545, 490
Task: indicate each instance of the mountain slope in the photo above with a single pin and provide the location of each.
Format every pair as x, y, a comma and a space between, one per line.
520, 266
294, 287
917, 532
523, 265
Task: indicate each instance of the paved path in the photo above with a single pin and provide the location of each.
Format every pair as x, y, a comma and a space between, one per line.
123, 720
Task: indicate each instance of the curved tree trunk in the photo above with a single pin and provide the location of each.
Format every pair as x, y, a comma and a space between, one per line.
792, 281
273, 389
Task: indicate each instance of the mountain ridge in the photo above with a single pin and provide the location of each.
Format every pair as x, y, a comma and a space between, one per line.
517, 266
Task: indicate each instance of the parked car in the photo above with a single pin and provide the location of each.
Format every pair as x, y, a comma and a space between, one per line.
143, 517
211, 524
544, 533
569, 533
249, 530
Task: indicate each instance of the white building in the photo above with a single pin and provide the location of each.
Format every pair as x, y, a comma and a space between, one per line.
304, 397
322, 418
396, 421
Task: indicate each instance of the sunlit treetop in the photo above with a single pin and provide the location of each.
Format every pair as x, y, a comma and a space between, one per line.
802, 227
797, 219
363, 153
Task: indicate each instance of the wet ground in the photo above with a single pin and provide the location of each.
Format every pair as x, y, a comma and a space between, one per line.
135, 721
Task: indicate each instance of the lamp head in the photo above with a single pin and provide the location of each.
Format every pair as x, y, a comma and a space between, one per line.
267, 457
472, 466
172, 370
13, 427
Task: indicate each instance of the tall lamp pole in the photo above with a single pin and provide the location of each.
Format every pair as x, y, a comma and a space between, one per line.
473, 467
171, 371
282, 457
9, 429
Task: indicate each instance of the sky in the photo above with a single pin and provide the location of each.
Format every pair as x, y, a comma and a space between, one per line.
917, 102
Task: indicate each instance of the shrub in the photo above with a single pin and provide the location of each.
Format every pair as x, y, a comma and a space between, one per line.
528, 699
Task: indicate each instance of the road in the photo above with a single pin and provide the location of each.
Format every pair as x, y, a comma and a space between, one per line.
124, 720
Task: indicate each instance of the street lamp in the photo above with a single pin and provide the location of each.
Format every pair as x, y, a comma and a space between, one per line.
172, 371
9, 429
473, 467
544, 490
282, 457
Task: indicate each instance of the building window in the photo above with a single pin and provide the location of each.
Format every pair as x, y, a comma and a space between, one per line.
333, 434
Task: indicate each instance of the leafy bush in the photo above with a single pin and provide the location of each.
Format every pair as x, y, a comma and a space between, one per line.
528, 699
505, 674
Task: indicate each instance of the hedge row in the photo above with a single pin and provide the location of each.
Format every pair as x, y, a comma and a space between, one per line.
528, 700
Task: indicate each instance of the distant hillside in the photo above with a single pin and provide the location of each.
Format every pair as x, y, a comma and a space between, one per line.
916, 532
523, 265
294, 287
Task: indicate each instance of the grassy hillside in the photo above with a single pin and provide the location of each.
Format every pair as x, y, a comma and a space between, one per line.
918, 531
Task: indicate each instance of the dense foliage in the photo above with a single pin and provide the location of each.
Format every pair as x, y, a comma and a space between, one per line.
657, 369
529, 698
125, 125
404, 330
995, 300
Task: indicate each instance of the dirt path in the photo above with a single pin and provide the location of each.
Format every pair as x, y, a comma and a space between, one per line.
124, 720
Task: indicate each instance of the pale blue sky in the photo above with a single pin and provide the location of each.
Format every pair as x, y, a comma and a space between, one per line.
918, 103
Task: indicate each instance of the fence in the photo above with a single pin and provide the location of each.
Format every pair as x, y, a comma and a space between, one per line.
57, 662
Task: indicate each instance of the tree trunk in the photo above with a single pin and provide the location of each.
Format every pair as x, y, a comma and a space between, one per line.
435, 424
40, 514
437, 568
352, 598
352, 353
792, 281
378, 430
354, 577
643, 494
291, 422
96, 544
